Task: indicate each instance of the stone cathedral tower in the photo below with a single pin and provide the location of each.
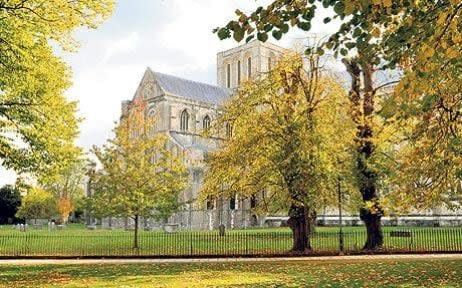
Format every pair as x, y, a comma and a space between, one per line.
240, 63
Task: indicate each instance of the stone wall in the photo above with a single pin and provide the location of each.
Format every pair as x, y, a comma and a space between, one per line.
192, 220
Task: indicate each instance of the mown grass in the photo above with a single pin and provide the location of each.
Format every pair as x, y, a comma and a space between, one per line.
343, 273
77, 241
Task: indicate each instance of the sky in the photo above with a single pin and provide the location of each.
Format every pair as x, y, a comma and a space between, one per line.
169, 36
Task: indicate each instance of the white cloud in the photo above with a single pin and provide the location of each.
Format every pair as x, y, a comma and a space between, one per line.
173, 36
123, 45
100, 93
7, 176
189, 31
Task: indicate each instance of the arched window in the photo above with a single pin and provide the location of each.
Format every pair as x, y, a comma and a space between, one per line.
228, 75
249, 67
206, 122
253, 201
269, 64
233, 203
210, 203
184, 120
229, 130
196, 176
238, 72
153, 122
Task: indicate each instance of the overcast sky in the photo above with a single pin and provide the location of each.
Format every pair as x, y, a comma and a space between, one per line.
170, 36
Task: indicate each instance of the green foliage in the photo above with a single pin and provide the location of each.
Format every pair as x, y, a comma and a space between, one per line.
424, 40
394, 30
10, 200
290, 134
139, 176
37, 204
67, 186
37, 123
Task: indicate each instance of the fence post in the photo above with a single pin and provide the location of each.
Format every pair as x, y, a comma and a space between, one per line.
191, 243
340, 198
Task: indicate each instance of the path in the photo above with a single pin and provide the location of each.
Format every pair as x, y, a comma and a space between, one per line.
212, 260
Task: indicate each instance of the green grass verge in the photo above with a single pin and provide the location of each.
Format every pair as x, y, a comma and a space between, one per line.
343, 273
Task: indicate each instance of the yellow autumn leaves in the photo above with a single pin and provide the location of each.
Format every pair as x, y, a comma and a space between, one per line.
291, 132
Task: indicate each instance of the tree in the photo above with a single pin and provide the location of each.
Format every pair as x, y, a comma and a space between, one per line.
67, 185
37, 204
362, 98
139, 176
10, 200
290, 134
394, 28
429, 159
38, 124
421, 38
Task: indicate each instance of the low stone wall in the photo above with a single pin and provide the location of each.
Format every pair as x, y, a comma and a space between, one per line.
192, 220
239, 219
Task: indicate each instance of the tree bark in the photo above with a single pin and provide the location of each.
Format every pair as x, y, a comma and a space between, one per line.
368, 188
299, 225
374, 230
311, 222
135, 238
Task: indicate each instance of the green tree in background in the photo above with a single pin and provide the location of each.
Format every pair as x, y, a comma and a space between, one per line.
139, 176
10, 200
37, 204
67, 186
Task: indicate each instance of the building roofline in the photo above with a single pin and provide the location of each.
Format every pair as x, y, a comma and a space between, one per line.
254, 43
184, 79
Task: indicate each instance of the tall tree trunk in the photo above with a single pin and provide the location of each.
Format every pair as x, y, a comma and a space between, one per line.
311, 222
135, 238
372, 213
299, 225
362, 113
374, 231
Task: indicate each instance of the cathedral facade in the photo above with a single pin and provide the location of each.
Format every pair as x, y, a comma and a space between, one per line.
182, 109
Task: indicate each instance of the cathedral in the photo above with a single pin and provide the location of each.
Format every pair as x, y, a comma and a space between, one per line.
182, 109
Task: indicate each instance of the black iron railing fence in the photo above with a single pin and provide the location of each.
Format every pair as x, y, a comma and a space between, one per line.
233, 243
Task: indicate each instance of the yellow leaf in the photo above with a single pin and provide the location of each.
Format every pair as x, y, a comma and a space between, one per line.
387, 3
452, 52
349, 7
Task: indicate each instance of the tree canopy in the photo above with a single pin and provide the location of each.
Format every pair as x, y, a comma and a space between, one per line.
423, 39
139, 175
37, 204
290, 137
67, 186
37, 123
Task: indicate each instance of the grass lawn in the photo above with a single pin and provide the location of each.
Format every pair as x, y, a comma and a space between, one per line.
342, 273
75, 240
